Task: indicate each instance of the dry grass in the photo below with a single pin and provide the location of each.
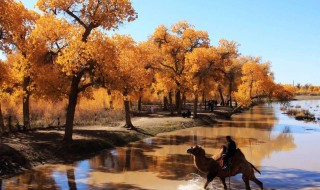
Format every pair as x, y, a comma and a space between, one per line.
100, 108
292, 111
44, 113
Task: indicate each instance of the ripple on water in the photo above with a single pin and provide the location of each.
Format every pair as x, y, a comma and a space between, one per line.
195, 182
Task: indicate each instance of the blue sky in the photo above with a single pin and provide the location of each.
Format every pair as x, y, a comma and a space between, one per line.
284, 32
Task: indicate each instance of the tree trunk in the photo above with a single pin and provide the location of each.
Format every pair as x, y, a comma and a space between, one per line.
128, 159
204, 101
2, 127
230, 91
195, 106
250, 91
205, 105
221, 96
165, 103
73, 98
127, 114
203, 97
170, 103
140, 104
178, 102
111, 104
184, 100
110, 101
71, 179
10, 123
228, 116
26, 103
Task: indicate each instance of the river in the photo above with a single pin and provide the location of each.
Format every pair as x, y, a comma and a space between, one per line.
285, 150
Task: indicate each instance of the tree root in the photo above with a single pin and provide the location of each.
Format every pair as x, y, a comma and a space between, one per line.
130, 127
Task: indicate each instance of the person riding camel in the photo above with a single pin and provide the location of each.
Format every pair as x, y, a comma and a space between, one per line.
230, 150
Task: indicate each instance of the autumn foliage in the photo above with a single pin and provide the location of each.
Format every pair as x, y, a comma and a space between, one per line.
62, 63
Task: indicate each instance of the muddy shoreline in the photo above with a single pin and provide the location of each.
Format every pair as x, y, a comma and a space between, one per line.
21, 151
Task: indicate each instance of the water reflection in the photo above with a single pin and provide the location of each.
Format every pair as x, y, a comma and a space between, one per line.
270, 140
32, 180
291, 178
280, 179
259, 117
71, 179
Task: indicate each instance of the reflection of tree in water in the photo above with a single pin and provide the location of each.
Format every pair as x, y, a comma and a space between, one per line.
134, 159
259, 117
252, 136
120, 159
174, 167
164, 140
263, 145
71, 179
257, 145
177, 166
144, 155
36, 180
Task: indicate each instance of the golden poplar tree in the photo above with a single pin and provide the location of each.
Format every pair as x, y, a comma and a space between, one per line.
4, 87
84, 52
129, 74
173, 45
257, 81
16, 24
231, 69
202, 66
284, 93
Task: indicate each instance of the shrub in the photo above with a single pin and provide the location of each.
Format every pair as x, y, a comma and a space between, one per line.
283, 108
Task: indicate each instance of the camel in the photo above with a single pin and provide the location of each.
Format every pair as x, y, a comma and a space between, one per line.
212, 167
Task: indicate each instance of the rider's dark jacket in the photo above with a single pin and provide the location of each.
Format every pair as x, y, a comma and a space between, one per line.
231, 148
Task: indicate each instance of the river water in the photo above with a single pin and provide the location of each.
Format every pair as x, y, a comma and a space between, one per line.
285, 150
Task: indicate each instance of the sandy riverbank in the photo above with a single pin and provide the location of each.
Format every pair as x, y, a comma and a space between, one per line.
306, 97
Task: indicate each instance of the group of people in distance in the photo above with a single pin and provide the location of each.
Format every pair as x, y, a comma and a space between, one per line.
212, 104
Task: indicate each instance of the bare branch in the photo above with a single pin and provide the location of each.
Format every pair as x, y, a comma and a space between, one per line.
76, 18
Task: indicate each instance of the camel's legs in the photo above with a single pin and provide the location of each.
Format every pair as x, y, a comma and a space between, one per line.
223, 180
210, 177
246, 181
259, 183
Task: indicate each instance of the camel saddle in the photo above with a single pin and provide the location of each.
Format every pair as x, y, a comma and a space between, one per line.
229, 161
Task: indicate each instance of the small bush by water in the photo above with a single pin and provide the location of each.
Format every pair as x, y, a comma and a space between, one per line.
283, 108
301, 114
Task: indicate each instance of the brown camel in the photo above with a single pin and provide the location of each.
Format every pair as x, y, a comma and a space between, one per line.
212, 168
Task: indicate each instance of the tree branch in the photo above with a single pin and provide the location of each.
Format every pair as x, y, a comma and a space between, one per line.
76, 18
85, 86
169, 67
